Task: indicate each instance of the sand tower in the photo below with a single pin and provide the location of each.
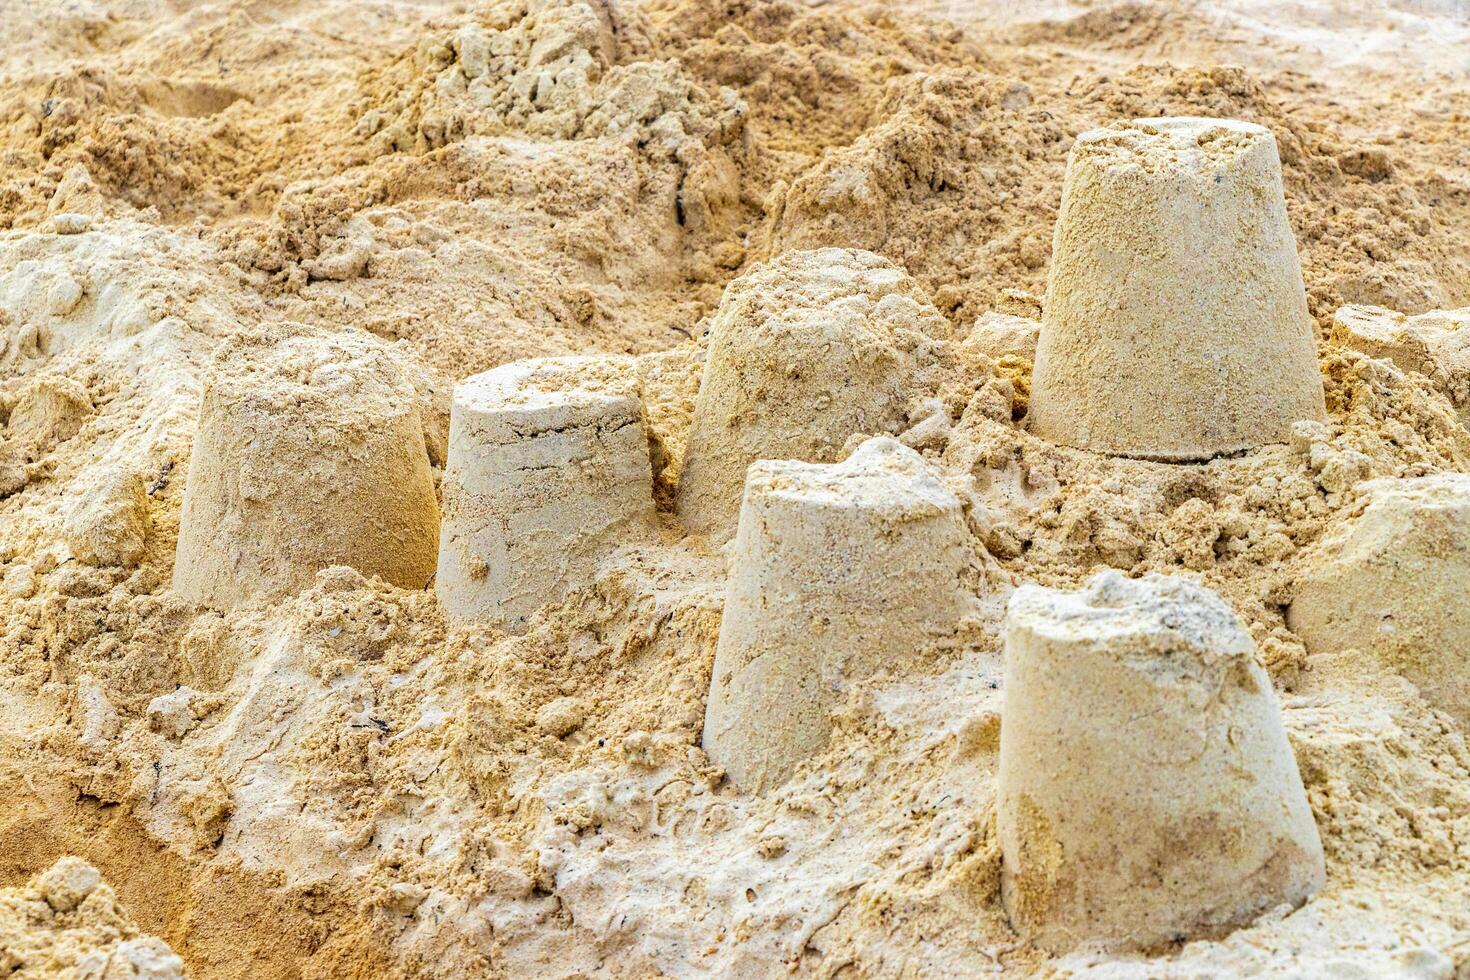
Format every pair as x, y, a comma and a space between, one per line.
310, 453
1147, 791
1175, 324
838, 570
802, 355
1392, 583
548, 471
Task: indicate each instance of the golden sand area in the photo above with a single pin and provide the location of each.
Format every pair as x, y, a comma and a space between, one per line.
578, 488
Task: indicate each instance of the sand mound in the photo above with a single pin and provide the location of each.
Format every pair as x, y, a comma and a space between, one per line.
1386, 583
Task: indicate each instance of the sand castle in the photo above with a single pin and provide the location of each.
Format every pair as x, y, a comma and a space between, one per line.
1392, 583
548, 471
1147, 792
801, 357
839, 570
349, 782
309, 453
1175, 324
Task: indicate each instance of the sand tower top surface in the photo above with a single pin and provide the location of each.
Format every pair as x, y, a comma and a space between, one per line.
337, 376
1175, 613
1439, 491
1172, 144
881, 476
548, 393
793, 283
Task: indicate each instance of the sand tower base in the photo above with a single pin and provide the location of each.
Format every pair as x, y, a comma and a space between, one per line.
1175, 325
310, 453
804, 351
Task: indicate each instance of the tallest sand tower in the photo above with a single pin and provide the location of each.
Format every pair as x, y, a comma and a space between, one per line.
1175, 323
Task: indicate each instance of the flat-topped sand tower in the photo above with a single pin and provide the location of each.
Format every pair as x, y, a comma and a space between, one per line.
548, 471
802, 354
1175, 324
839, 570
310, 453
1392, 583
1147, 791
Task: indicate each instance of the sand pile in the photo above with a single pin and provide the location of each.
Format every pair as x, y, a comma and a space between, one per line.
281, 286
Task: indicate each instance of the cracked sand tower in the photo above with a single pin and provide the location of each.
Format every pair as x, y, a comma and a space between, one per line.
310, 453
838, 570
1175, 325
1393, 584
1147, 791
803, 353
548, 472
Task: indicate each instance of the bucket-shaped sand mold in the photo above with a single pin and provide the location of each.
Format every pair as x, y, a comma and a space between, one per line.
1147, 792
309, 453
1392, 583
1175, 323
548, 472
801, 357
838, 570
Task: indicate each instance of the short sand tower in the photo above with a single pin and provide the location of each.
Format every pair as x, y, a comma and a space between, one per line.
1392, 583
838, 570
802, 355
548, 471
1147, 791
310, 453
1175, 325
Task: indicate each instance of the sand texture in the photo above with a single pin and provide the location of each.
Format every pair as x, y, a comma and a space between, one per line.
249, 250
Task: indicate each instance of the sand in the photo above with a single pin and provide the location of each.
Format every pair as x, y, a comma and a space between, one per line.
344, 783
66, 922
1147, 793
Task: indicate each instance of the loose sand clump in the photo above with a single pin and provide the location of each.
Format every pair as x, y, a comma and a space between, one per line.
549, 68
48, 411
110, 525
66, 922
1147, 793
804, 352
1435, 344
1175, 322
310, 453
1002, 335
